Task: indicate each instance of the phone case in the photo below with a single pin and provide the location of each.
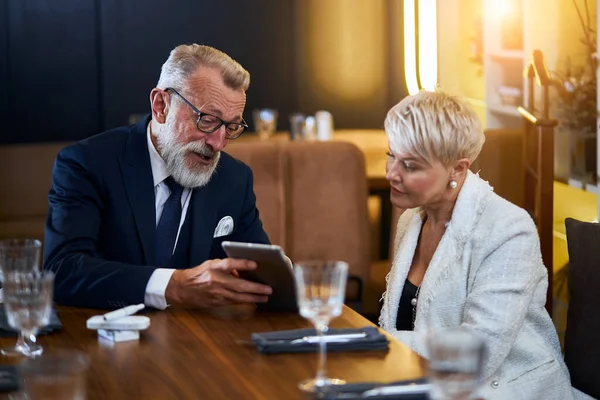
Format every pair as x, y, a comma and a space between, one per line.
273, 270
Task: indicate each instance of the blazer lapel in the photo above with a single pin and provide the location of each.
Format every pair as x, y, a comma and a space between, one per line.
449, 253
204, 221
139, 185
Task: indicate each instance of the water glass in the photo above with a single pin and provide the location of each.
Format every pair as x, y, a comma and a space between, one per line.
320, 290
59, 375
303, 127
455, 363
27, 303
19, 255
265, 122
310, 129
297, 122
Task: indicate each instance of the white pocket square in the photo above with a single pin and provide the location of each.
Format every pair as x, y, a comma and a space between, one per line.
224, 227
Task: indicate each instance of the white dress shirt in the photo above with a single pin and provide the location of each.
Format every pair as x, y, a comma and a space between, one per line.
157, 285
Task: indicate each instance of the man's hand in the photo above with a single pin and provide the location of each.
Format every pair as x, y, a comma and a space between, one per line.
215, 283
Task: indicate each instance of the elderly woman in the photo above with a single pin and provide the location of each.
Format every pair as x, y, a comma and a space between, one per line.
464, 255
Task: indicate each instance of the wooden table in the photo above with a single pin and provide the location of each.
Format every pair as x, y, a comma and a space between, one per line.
192, 354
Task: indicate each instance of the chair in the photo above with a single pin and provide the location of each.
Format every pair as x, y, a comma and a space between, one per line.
582, 344
268, 165
538, 161
312, 197
500, 162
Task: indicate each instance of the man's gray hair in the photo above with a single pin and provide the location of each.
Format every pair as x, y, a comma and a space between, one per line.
435, 125
185, 60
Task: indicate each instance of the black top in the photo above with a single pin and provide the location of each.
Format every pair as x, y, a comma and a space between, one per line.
404, 320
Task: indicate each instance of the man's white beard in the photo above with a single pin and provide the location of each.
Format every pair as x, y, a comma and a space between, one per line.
174, 154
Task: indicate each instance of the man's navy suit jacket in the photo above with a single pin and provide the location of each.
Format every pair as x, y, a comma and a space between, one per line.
100, 231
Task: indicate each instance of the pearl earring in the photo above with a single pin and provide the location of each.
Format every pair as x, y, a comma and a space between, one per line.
453, 184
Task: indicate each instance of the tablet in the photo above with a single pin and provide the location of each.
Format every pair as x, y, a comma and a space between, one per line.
273, 270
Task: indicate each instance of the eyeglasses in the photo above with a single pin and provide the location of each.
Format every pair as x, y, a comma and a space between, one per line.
207, 123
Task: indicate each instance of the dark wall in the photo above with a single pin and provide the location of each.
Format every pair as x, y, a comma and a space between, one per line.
73, 68
51, 79
136, 41
4, 61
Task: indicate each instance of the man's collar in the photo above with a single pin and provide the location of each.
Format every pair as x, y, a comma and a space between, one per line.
159, 167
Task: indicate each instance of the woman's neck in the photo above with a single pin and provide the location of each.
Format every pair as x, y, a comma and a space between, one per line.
440, 213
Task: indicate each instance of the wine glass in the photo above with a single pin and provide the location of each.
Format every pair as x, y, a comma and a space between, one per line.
320, 290
19, 255
27, 302
265, 122
455, 363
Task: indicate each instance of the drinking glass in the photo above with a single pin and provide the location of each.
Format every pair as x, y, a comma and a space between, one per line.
27, 303
455, 364
265, 122
320, 290
297, 123
19, 255
59, 374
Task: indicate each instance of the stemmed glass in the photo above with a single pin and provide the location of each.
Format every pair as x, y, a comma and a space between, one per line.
320, 290
455, 363
27, 302
19, 255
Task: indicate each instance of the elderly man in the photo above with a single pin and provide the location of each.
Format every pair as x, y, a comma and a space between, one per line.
137, 214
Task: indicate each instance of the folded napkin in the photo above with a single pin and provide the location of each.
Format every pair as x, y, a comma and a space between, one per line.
357, 391
304, 341
6, 330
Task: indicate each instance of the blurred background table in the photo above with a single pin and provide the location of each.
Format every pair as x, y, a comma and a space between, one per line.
190, 354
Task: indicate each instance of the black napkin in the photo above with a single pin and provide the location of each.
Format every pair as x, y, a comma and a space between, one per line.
280, 341
9, 378
6, 330
353, 391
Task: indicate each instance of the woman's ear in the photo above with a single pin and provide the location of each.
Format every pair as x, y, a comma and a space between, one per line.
461, 167
159, 105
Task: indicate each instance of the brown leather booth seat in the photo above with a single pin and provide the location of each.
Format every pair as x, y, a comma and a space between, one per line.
25, 179
312, 197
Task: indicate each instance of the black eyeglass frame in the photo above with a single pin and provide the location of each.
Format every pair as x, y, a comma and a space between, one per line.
200, 114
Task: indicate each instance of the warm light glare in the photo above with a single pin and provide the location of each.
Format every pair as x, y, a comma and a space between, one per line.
501, 8
410, 47
344, 63
428, 44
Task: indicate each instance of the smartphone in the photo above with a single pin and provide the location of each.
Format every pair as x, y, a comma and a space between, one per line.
273, 270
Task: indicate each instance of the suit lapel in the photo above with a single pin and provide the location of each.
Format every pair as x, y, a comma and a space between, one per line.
204, 220
139, 185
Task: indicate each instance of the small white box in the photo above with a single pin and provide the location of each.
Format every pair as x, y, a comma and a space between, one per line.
118, 336
130, 323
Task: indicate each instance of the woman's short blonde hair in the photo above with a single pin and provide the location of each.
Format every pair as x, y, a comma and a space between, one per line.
434, 126
185, 60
